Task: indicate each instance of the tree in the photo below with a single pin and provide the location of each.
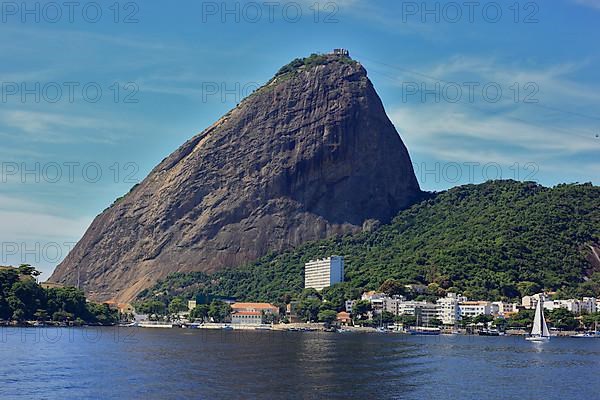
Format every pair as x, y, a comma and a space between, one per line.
200, 312
392, 287
562, 318
26, 270
500, 324
101, 314
591, 321
338, 294
30, 297
41, 315
482, 319
523, 319
406, 320
386, 317
219, 311
176, 305
69, 300
151, 307
361, 308
308, 309
327, 317
528, 288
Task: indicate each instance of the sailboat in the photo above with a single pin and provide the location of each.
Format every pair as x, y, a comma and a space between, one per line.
539, 332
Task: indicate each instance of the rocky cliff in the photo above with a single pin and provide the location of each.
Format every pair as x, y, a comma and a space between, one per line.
309, 155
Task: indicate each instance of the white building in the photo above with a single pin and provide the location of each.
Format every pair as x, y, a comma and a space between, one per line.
586, 306
448, 311
470, 309
247, 318
530, 302
319, 274
424, 311
500, 308
398, 305
589, 305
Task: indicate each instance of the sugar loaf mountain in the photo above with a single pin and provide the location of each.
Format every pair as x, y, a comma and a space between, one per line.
310, 155
309, 166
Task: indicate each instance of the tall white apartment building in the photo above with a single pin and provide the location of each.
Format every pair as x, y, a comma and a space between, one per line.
448, 311
319, 274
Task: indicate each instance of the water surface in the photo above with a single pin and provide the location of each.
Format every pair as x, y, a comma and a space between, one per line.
134, 363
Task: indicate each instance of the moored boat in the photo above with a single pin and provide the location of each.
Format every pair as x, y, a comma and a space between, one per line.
423, 330
155, 324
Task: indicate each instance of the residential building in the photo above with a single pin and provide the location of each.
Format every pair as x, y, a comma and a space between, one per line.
424, 311
192, 304
503, 309
349, 305
470, 309
319, 274
589, 305
530, 302
343, 318
448, 311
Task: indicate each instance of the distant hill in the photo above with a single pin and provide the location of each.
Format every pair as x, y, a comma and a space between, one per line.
500, 239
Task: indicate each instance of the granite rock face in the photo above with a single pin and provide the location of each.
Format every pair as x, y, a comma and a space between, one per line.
309, 155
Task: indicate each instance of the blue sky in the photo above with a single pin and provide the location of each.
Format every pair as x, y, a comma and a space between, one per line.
474, 94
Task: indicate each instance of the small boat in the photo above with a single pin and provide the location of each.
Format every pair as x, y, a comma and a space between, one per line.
488, 332
227, 328
155, 324
539, 332
586, 335
381, 330
423, 330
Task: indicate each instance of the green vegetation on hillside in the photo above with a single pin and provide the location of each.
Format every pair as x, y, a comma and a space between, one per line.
497, 240
23, 299
309, 62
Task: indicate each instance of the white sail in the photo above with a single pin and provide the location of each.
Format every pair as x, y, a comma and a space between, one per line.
545, 331
539, 322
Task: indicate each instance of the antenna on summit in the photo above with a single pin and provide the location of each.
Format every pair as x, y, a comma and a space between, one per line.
341, 52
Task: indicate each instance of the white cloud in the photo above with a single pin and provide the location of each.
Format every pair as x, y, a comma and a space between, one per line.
60, 128
589, 3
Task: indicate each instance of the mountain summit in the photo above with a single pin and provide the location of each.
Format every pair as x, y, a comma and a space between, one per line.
309, 155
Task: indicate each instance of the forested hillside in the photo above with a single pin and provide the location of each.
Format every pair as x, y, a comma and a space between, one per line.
500, 239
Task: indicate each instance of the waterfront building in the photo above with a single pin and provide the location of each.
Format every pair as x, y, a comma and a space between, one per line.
589, 305
448, 311
247, 318
319, 274
251, 313
424, 312
585, 306
343, 318
470, 309
530, 302
255, 307
503, 309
